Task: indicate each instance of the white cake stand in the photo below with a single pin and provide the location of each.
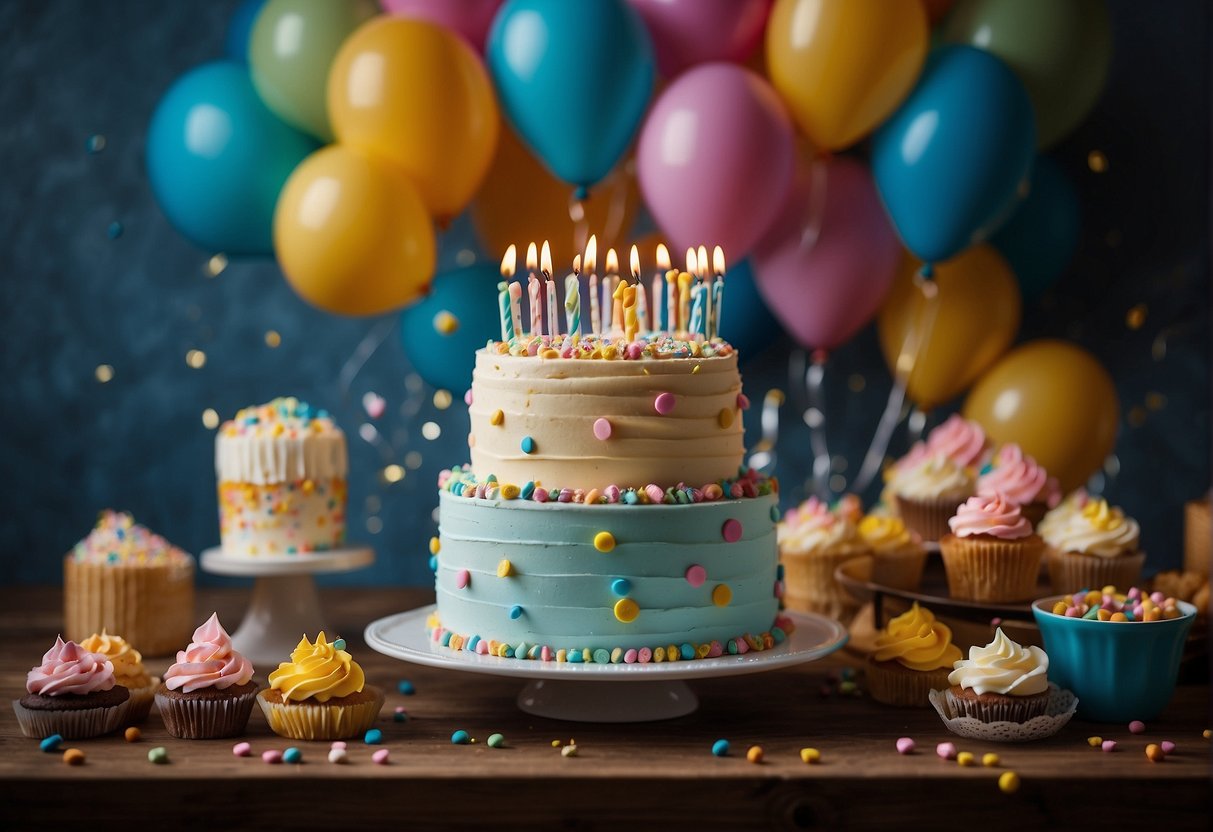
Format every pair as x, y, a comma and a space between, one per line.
285, 604
577, 693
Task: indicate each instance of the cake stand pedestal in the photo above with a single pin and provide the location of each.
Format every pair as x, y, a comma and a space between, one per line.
285, 604
581, 693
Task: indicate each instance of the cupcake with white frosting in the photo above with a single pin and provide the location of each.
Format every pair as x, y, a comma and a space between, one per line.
1001, 682
813, 543
928, 492
1093, 548
1063, 512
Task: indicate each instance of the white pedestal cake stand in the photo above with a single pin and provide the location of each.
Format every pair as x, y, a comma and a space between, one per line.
284, 605
579, 693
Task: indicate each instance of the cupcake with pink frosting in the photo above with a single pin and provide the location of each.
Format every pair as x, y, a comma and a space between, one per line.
959, 439
72, 693
209, 692
1022, 480
813, 542
991, 553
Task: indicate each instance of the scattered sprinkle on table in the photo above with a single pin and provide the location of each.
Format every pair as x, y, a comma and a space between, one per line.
1155, 754
906, 745
460, 737
373, 737
399, 715
158, 755
569, 750
754, 755
990, 760
1008, 782
242, 749
496, 740
946, 750
132, 734
720, 748
338, 744
1137, 727
406, 687
1095, 742
1108, 745
810, 756
1206, 733
273, 756
73, 757
1167, 746
51, 743
381, 757
340, 755
292, 755
555, 743
966, 758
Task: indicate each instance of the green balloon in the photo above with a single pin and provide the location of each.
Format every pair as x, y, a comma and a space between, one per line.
1060, 49
290, 51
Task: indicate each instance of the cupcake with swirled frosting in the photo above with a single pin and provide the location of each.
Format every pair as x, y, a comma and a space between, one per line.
813, 542
129, 672
209, 692
320, 694
927, 493
72, 693
1093, 548
991, 553
913, 656
898, 556
1020, 479
1001, 682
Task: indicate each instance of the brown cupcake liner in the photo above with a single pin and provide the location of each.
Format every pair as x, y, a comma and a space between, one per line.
927, 517
982, 568
1001, 709
899, 569
1072, 571
151, 606
77, 724
321, 721
206, 719
892, 684
141, 702
809, 584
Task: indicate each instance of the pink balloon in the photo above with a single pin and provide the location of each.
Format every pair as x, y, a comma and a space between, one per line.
469, 18
689, 32
825, 291
715, 159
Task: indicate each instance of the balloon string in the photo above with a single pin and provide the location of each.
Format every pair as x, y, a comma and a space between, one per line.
815, 418
907, 357
578, 216
617, 209
366, 348
815, 214
763, 456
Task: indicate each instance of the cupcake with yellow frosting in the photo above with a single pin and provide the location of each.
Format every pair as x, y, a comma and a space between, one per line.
320, 694
927, 493
898, 556
1092, 548
1001, 682
912, 657
813, 542
129, 672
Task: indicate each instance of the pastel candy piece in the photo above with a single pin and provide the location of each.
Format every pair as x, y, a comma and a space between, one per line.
51, 743
338, 744
696, 575
373, 737
462, 579
527, 445
496, 740
722, 595
292, 755
731, 530
1137, 727
626, 610
720, 748
339, 756
158, 755
1167, 746
905, 745
381, 757
664, 404
460, 737
631, 656
946, 750
602, 429
272, 756
644, 655
621, 586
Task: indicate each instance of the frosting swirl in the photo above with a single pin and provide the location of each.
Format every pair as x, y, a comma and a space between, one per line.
812, 527
1003, 666
317, 671
69, 668
915, 639
995, 516
209, 661
126, 660
1019, 478
1095, 530
936, 477
1063, 512
885, 533
961, 440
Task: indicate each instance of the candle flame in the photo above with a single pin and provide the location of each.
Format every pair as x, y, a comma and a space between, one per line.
546, 259
532, 258
718, 260
509, 261
702, 261
663, 258
591, 254
577, 264
635, 263
692, 268
612, 262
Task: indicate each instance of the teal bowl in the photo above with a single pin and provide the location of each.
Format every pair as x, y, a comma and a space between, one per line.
1119, 671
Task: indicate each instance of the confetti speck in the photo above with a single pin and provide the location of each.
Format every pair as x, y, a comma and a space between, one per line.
104, 373
442, 399
273, 339
196, 359
114, 231
95, 143
210, 419
393, 473
216, 265
431, 430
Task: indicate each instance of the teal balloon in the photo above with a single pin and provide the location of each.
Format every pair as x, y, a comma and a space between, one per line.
1040, 238
950, 162
217, 159
746, 322
574, 79
240, 29
444, 359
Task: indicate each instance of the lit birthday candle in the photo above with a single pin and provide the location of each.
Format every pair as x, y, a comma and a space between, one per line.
508, 263
630, 323
545, 265
613, 307
663, 266
671, 300
705, 276
718, 267
591, 260
642, 306
685, 279
532, 263
699, 294
572, 299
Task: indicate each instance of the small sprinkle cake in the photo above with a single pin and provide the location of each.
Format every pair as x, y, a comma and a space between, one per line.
606, 516
282, 480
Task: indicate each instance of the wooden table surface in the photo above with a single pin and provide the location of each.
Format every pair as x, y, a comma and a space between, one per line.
653, 776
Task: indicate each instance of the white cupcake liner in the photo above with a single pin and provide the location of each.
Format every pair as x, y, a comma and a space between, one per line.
1062, 704
71, 725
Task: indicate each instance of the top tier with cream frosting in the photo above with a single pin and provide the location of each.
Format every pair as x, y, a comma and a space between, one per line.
593, 413
283, 441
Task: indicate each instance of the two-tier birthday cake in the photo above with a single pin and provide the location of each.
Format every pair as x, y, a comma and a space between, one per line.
606, 514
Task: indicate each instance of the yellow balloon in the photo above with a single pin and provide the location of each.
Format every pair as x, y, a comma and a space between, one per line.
1056, 401
417, 95
843, 66
976, 318
352, 235
521, 201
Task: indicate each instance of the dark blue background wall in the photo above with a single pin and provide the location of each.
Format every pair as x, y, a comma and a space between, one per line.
92, 274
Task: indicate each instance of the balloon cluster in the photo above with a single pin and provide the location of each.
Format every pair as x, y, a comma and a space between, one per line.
338, 134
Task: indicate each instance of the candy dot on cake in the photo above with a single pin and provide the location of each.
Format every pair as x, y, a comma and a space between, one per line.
602, 429
462, 579
504, 568
435, 545
527, 445
731, 530
621, 586
696, 575
497, 418
664, 404
725, 417
604, 541
722, 595
626, 610
515, 612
